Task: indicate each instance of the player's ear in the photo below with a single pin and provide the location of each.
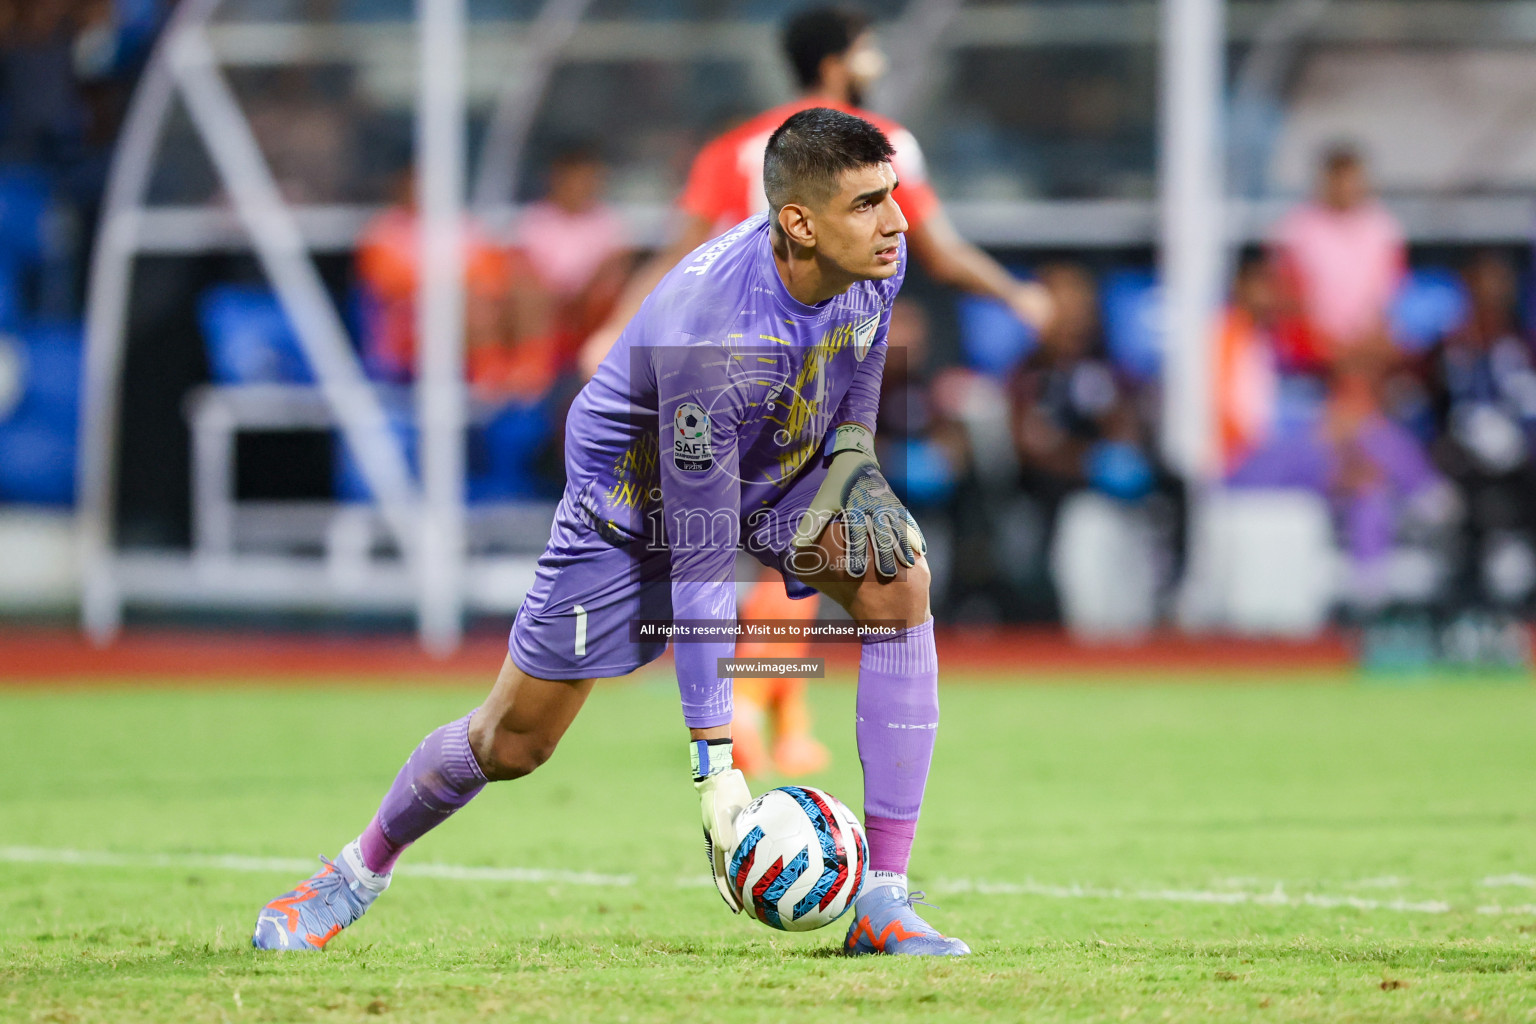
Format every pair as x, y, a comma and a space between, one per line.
796, 223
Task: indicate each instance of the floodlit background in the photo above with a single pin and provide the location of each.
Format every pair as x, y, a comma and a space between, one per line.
1263, 416
1234, 558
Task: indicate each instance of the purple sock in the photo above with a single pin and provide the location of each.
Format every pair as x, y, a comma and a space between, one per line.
438, 778
890, 843
898, 714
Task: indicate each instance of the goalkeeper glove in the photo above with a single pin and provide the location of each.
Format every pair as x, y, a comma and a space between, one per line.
857, 492
722, 795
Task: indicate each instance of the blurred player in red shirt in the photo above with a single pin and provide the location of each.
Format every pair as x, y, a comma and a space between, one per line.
835, 58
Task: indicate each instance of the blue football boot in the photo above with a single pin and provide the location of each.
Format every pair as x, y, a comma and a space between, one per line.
884, 922
310, 915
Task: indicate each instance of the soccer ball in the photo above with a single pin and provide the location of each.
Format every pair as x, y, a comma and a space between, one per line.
800, 860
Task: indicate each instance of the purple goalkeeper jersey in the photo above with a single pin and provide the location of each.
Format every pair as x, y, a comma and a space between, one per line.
718, 398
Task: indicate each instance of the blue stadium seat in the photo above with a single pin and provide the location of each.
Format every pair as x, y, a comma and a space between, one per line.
1527, 300
1131, 305
37, 464
249, 339
136, 22
504, 454
364, 319
1429, 304
922, 476
52, 354
376, 10
25, 199
139, 14
38, 431
500, 463
12, 303
992, 338
348, 478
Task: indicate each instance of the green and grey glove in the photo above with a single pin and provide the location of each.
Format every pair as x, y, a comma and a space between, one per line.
856, 492
722, 795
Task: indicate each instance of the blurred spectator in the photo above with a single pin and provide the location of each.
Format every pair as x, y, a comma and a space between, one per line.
836, 58
306, 122
66, 72
508, 323
1247, 380
1339, 261
1341, 257
576, 246
44, 116
923, 449
65, 68
1074, 418
1076, 425
1374, 474
1481, 384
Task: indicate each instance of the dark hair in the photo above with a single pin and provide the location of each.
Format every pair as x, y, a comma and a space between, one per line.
1251, 259
572, 151
817, 33
808, 152
1339, 155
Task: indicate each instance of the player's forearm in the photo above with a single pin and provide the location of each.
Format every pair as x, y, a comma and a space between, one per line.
962, 265
861, 404
953, 261
703, 607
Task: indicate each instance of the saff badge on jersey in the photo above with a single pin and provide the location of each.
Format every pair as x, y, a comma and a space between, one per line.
864, 336
691, 449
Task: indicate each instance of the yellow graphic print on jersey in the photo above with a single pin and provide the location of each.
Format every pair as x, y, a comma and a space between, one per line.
635, 473
804, 401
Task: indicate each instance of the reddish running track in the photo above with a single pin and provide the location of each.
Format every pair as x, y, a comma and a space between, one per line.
55, 655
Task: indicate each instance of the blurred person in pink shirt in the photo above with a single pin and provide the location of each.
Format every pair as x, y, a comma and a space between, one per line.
1339, 261
1374, 474
1340, 258
576, 245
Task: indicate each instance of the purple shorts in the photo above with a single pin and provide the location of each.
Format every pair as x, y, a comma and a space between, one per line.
575, 621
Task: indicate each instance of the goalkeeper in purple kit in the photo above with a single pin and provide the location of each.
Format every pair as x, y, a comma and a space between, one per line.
736, 411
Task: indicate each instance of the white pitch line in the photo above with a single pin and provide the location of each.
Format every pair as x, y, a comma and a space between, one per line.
294, 865
1509, 882
1275, 897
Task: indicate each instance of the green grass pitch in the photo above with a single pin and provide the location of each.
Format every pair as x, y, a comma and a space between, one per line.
1223, 851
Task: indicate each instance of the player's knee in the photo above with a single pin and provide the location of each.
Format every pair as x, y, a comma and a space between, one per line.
517, 756
903, 599
505, 755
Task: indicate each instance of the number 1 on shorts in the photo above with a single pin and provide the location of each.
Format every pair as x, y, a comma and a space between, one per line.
581, 631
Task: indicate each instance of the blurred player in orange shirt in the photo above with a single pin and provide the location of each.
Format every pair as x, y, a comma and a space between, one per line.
1247, 376
509, 341
835, 58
